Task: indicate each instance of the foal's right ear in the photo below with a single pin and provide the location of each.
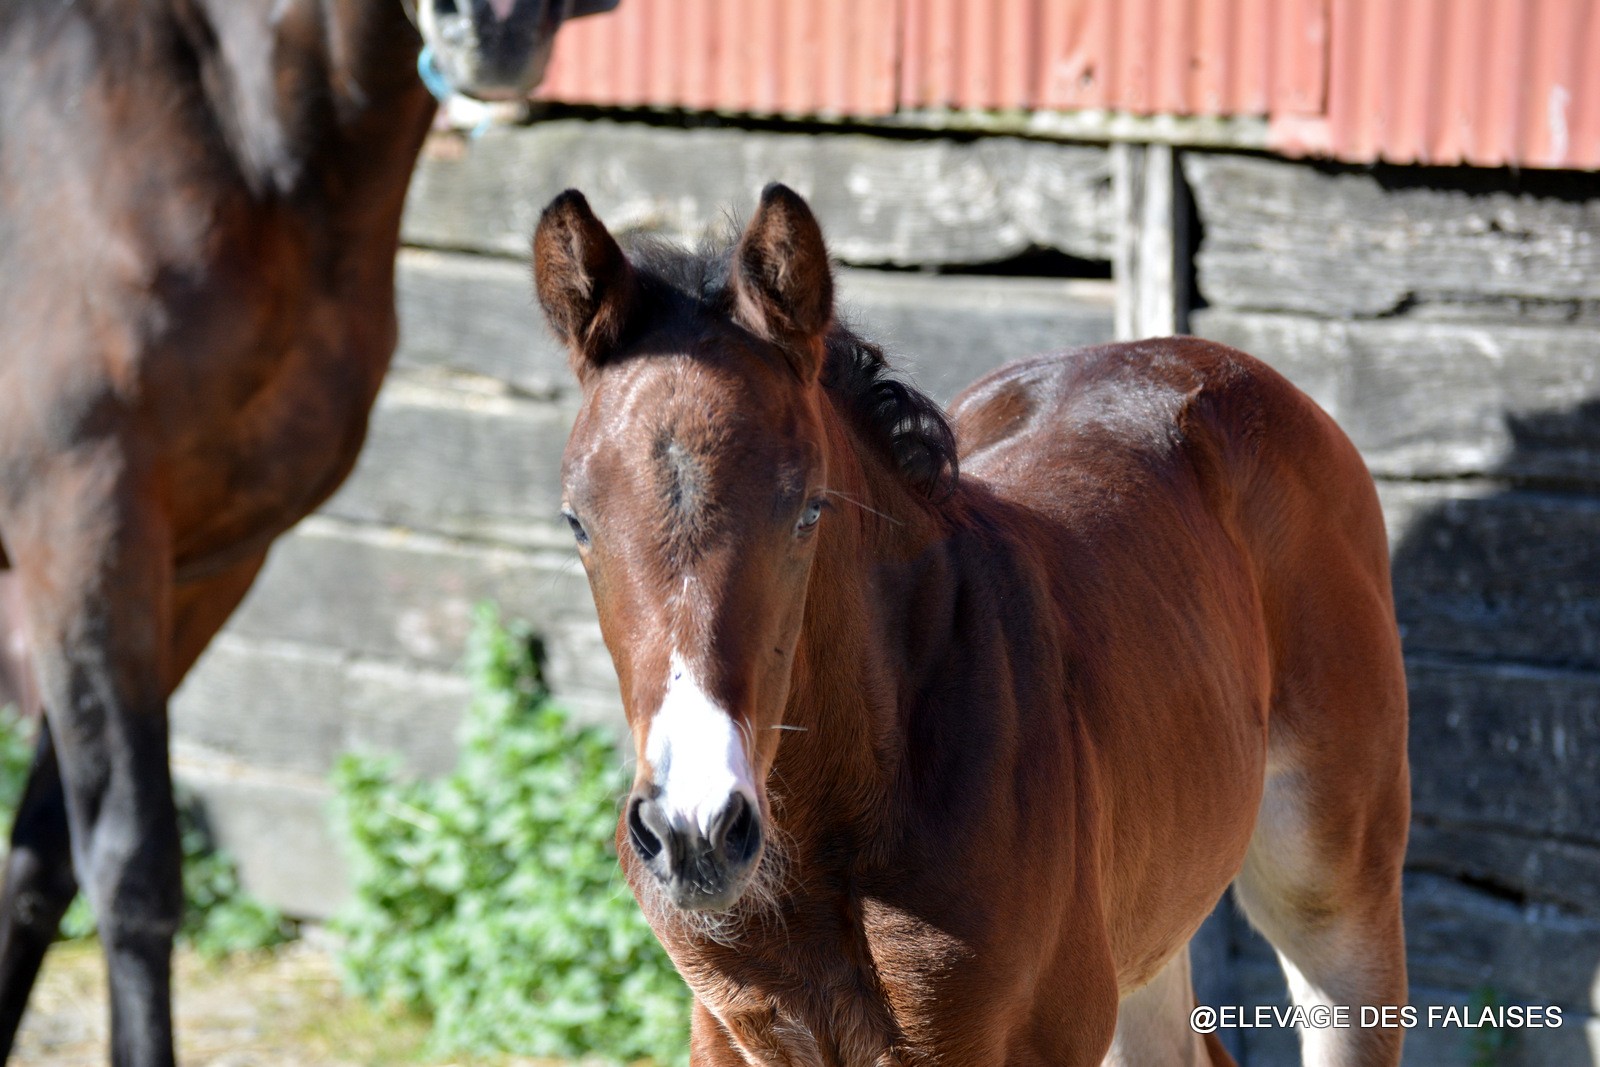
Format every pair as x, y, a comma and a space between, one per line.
584, 282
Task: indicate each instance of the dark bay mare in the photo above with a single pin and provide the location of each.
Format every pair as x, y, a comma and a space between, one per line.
949, 770
199, 208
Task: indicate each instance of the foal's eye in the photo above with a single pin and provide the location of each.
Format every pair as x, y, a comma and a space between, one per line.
578, 532
809, 517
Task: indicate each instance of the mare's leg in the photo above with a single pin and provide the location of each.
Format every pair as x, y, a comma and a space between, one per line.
200, 608
39, 880
95, 556
16, 667
1153, 1024
39, 886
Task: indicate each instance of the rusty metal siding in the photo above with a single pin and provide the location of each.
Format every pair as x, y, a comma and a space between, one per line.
1486, 82
1184, 57
824, 57
871, 58
1483, 82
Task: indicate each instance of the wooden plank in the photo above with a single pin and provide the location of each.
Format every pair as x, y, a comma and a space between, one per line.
390, 597
1151, 232
1287, 236
1430, 399
1261, 982
290, 707
459, 462
1460, 939
278, 830
395, 595
1496, 574
1498, 749
1564, 874
883, 200
474, 316
945, 332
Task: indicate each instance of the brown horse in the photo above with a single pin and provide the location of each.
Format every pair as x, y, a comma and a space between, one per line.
940, 770
199, 207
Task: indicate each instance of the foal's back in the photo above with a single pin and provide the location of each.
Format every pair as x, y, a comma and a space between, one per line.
1224, 581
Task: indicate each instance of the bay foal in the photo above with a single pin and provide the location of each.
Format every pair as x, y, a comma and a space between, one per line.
948, 770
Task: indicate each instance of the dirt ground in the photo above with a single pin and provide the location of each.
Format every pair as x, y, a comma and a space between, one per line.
283, 1009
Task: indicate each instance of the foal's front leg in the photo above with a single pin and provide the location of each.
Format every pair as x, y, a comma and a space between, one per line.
709, 1043
94, 555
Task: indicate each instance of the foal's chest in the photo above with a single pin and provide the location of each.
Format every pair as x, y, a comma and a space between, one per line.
893, 993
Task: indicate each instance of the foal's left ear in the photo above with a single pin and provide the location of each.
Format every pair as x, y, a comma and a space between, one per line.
583, 280
782, 284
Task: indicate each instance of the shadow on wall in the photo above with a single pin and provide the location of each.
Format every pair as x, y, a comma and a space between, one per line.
1497, 587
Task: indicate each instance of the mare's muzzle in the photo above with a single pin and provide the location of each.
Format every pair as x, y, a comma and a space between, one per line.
490, 49
700, 870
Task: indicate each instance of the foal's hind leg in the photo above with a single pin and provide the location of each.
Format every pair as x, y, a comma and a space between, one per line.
39, 886
1329, 901
1153, 1025
1322, 876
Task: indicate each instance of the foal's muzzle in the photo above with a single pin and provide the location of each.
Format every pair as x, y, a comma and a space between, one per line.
701, 871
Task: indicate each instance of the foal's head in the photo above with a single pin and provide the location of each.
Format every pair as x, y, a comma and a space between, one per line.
694, 483
495, 49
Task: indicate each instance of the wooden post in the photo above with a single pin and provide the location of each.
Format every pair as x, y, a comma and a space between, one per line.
1150, 260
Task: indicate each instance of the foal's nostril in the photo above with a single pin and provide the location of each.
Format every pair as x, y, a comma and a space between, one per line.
644, 840
737, 832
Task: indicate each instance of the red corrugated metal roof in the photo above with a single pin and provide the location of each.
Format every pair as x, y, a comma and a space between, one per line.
1487, 82
823, 57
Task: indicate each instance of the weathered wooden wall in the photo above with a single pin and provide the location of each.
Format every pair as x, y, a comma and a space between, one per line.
1449, 319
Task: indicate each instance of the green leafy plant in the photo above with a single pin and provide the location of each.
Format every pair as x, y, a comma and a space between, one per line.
1488, 1045
219, 917
491, 900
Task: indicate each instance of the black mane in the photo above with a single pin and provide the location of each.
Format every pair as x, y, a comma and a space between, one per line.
904, 422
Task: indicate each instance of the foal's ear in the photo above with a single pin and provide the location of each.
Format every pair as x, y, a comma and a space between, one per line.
584, 282
783, 287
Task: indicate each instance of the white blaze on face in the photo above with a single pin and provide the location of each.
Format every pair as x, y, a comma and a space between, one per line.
695, 752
